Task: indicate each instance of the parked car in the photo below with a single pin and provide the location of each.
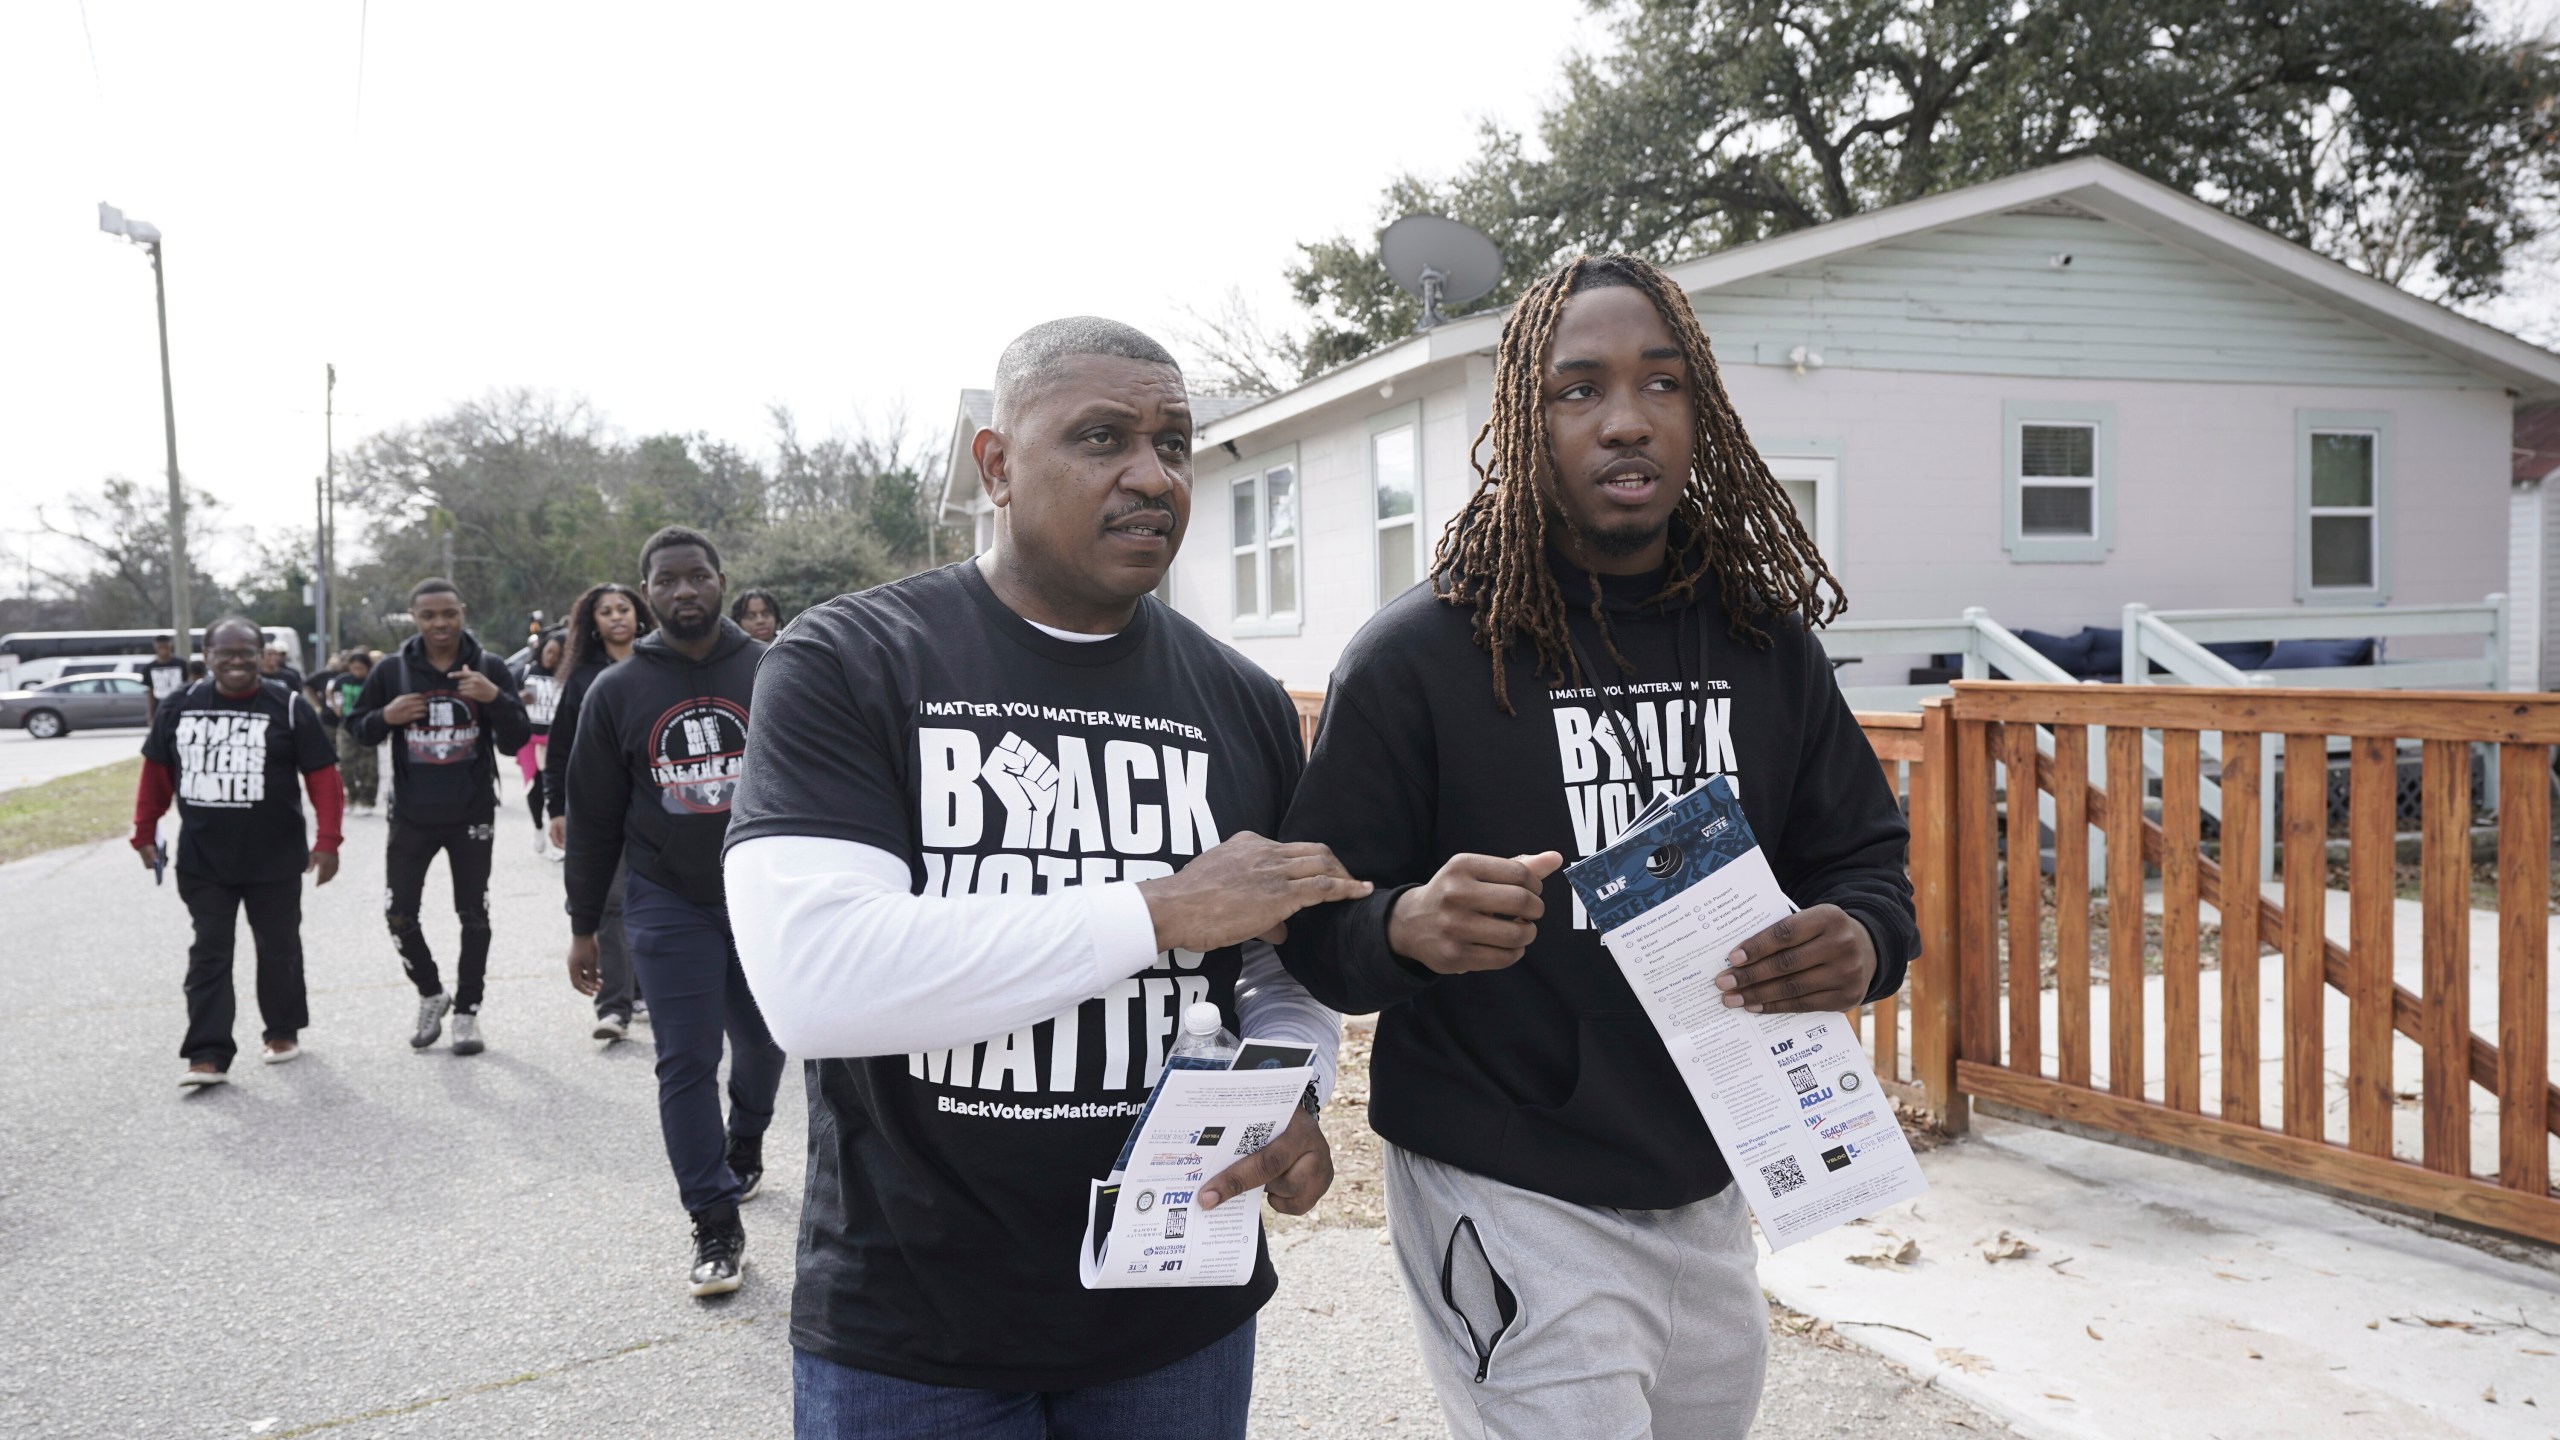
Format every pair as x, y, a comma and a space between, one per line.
86, 702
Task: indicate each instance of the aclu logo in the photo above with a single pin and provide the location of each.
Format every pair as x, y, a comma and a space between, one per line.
1822, 1096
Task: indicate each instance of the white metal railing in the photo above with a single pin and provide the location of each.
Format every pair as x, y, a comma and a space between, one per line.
2154, 635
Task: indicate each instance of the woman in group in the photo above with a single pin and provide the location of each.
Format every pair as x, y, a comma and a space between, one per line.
539, 688
603, 626
758, 613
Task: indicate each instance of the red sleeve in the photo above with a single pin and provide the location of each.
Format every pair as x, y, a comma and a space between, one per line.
150, 802
328, 804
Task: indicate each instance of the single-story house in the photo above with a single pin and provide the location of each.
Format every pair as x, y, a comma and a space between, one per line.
2047, 395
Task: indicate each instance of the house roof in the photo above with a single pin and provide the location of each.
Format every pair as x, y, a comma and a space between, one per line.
2092, 185
978, 411
2537, 442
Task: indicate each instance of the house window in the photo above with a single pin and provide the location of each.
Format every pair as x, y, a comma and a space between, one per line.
1809, 471
2342, 512
1395, 487
2058, 500
2342, 486
1265, 546
2058, 481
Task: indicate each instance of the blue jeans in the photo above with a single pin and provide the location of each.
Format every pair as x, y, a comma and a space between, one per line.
687, 966
1202, 1396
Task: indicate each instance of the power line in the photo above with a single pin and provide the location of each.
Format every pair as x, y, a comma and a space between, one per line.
95, 80
364, 22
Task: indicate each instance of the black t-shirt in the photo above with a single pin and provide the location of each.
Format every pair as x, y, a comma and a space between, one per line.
947, 1189
165, 678
236, 765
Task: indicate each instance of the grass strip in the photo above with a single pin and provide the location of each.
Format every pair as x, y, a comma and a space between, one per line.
76, 809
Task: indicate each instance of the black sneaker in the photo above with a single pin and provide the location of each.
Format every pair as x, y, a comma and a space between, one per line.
719, 1252
746, 1161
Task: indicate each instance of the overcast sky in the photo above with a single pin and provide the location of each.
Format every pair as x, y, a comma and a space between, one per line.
681, 213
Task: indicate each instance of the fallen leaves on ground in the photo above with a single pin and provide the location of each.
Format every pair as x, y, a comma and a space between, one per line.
1956, 1358
2005, 1246
2093, 1332
1892, 1252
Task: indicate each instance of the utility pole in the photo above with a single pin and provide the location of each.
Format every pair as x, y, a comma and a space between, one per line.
329, 517
181, 582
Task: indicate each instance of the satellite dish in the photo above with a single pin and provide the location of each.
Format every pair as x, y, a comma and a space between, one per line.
1439, 261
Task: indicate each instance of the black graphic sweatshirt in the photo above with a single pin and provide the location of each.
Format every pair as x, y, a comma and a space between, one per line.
661, 742
444, 764
1548, 1075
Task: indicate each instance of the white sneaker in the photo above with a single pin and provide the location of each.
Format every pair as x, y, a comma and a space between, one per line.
466, 1033
431, 1013
612, 1027
291, 1051
198, 1079
541, 845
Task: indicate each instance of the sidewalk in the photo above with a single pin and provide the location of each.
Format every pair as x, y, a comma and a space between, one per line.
2161, 1297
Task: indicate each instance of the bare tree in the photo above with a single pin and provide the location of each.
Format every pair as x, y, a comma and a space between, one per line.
1231, 349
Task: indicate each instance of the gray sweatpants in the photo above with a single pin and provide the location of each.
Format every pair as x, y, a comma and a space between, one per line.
1540, 1318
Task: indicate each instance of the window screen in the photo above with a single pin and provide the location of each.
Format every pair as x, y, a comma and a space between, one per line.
2060, 451
2058, 510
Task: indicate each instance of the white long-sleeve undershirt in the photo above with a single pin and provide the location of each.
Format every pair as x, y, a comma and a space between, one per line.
845, 962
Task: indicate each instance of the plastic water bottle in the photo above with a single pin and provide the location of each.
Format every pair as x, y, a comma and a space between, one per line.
1205, 1042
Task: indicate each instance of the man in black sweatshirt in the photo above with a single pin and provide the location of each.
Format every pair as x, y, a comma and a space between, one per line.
1622, 610
449, 709
661, 743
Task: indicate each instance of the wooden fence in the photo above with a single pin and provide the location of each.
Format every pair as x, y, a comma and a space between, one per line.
2010, 741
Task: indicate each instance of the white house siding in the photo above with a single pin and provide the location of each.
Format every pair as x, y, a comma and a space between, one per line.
1338, 559
1986, 296
2528, 586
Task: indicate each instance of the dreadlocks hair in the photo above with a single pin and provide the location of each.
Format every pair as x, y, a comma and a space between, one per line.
1733, 518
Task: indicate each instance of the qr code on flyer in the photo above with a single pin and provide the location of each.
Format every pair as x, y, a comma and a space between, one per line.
1176, 1220
1782, 1175
1254, 1137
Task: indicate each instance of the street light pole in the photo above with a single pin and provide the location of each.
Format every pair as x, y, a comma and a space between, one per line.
181, 583
329, 518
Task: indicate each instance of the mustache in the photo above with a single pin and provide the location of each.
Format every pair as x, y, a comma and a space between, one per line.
1143, 507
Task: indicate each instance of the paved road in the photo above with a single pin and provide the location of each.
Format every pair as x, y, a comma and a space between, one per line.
372, 1242
25, 761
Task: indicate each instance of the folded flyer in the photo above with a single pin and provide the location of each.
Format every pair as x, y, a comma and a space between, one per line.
1791, 1098
1142, 1226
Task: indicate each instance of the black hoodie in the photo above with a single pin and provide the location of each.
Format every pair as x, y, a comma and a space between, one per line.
444, 770
660, 744
1547, 1075
563, 738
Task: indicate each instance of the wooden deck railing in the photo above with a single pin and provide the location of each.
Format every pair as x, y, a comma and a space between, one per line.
2003, 1050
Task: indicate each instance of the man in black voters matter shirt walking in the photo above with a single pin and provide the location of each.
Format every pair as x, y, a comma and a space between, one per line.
1622, 610
449, 709
661, 741
228, 750
1016, 797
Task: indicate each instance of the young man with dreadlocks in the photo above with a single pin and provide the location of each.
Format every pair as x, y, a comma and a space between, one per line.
1623, 608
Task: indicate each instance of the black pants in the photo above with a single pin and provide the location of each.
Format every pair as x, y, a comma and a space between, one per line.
698, 995
466, 848
275, 926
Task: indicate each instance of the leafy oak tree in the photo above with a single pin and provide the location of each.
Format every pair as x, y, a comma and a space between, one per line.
2408, 138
